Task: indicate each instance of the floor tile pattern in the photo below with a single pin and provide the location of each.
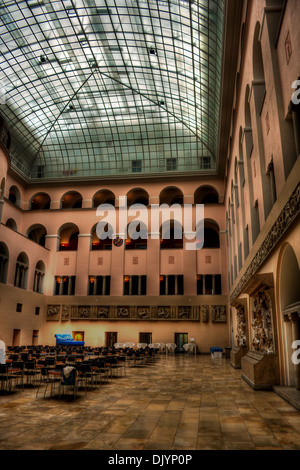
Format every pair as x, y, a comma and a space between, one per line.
178, 403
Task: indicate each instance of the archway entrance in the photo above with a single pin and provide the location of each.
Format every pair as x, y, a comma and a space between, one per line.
289, 281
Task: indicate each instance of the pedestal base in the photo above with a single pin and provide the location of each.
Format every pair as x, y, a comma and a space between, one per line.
236, 355
260, 370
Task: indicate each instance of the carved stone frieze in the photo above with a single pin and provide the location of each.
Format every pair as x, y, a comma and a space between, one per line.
53, 312
162, 312
120, 312
143, 312
205, 313
84, 311
184, 312
102, 312
65, 312
286, 217
262, 329
123, 312
241, 336
218, 314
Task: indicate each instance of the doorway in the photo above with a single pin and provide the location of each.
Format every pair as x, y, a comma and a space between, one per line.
145, 338
16, 337
78, 335
289, 296
111, 337
35, 337
180, 340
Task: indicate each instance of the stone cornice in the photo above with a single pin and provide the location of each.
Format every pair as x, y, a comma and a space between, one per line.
284, 221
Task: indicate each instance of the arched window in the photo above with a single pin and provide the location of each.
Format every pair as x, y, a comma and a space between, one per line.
2, 188
206, 195
171, 195
14, 196
11, 223
102, 234
21, 274
211, 234
37, 233
104, 196
40, 201
248, 124
137, 235
4, 257
137, 196
39, 274
68, 237
171, 235
71, 200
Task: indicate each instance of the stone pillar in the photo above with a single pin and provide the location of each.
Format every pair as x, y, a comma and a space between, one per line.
1, 208
296, 337
82, 264
52, 242
189, 267
103, 285
153, 263
167, 285
95, 285
140, 286
203, 284
70, 285
61, 285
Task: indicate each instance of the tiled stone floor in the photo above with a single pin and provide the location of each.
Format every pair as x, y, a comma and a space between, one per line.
179, 403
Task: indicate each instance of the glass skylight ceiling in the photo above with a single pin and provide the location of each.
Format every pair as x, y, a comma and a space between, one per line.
96, 88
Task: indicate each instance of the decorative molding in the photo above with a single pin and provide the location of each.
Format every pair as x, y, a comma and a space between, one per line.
121, 313
65, 313
218, 314
5, 138
287, 216
205, 313
52, 313
241, 335
261, 322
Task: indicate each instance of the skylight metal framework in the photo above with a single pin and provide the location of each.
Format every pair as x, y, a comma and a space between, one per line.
110, 87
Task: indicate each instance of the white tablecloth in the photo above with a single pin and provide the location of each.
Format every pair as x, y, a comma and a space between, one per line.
2, 353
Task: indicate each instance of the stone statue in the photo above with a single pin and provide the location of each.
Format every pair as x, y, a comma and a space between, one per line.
262, 322
241, 327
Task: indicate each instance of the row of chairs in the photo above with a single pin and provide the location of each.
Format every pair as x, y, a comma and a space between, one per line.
85, 374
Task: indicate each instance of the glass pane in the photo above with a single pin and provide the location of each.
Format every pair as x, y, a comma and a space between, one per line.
108, 88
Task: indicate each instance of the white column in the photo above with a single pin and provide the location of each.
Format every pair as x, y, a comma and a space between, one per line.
213, 285
103, 285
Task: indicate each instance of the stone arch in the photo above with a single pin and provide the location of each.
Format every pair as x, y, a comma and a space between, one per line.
4, 260
206, 194
104, 196
68, 234
11, 223
14, 195
37, 233
137, 196
40, 201
289, 301
71, 200
104, 242
171, 195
